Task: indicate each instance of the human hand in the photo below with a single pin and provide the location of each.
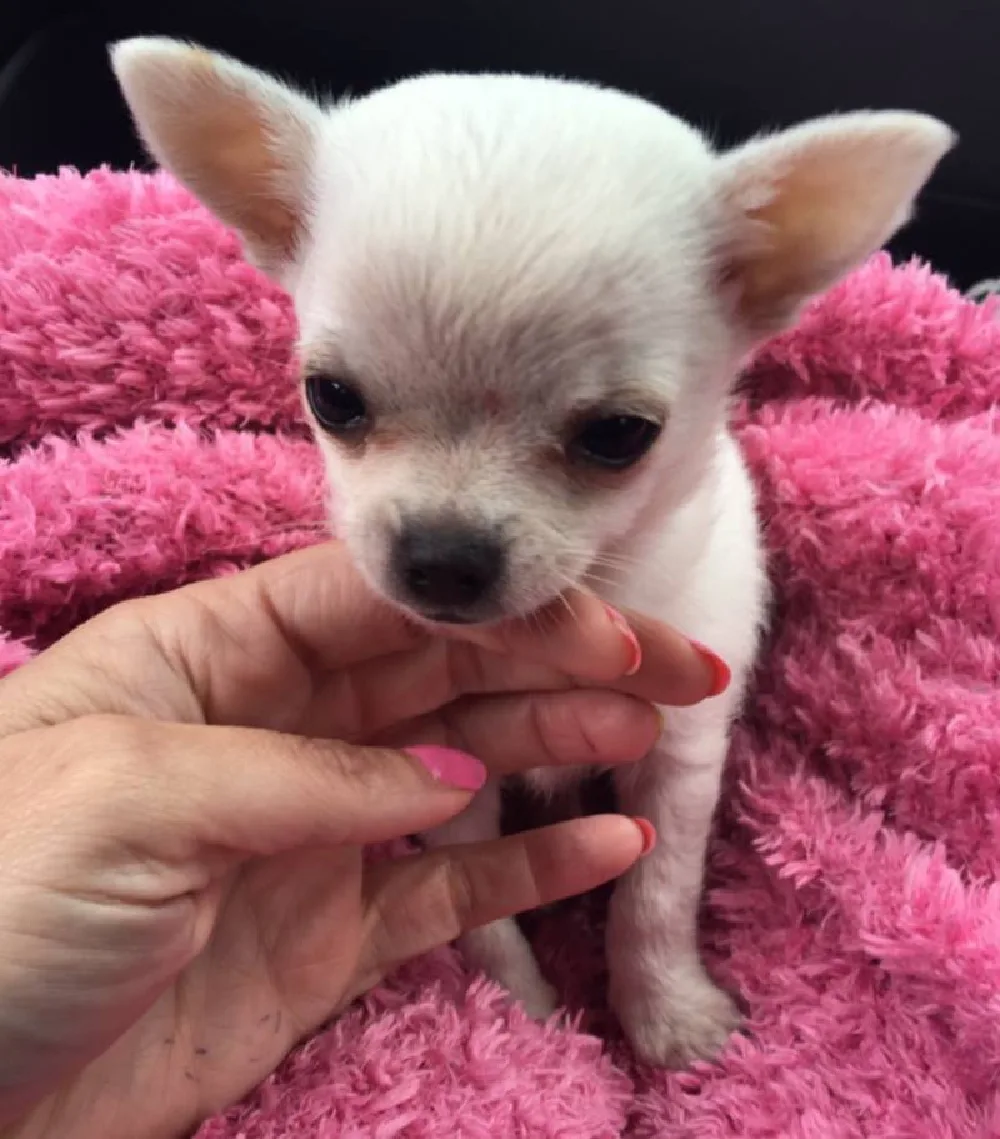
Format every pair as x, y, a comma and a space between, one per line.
186, 784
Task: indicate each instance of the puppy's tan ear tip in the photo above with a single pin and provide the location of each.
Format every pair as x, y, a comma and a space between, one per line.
947, 135
938, 136
131, 58
923, 135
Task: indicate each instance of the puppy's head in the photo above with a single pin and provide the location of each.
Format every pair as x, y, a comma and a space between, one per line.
521, 301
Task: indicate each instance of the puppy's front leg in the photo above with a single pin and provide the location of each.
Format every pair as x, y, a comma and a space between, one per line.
670, 1009
499, 949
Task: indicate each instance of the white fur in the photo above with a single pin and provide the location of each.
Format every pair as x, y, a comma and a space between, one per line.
553, 245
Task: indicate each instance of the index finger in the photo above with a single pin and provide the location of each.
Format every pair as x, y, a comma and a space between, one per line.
263, 648
332, 618
291, 626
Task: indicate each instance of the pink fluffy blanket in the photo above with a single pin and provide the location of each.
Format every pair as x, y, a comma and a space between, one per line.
152, 436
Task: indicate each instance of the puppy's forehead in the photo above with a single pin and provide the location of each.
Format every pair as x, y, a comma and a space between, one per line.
428, 317
541, 303
504, 232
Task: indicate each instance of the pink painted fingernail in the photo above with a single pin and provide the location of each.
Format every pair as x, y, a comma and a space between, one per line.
721, 676
623, 627
449, 766
648, 832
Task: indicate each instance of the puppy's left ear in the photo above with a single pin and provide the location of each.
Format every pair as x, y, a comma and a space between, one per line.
240, 141
801, 208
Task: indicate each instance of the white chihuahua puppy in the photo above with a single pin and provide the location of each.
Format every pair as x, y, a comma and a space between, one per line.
523, 303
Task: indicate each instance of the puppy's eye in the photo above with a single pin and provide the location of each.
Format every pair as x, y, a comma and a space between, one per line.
614, 441
337, 405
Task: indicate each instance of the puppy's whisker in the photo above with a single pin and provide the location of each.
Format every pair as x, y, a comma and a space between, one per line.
599, 579
569, 608
619, 561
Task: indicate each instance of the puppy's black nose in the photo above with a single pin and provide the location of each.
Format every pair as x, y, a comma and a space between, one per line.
447, 566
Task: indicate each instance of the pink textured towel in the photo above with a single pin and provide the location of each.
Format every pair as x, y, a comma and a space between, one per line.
853, 890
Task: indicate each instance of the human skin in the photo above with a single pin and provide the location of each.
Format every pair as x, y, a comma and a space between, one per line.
187, 783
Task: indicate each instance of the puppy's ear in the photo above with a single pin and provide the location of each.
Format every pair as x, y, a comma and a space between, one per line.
802, 208
241, 142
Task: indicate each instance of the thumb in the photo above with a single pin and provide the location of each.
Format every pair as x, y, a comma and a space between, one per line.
178, 789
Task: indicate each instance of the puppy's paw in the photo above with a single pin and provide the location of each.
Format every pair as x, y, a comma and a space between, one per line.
539, 999
501, 951
673, 1024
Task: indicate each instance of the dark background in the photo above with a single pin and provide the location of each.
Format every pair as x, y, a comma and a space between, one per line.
732, 68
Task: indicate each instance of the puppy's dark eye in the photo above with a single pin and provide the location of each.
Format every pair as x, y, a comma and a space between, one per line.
337, 405
614, 441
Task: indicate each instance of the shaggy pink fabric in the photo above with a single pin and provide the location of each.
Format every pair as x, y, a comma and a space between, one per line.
853, 893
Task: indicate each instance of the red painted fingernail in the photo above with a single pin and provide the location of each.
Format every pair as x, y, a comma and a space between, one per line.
623, 627
648, 832
721, 676
452, 767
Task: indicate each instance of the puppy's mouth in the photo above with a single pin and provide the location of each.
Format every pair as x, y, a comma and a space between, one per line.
488, 612
450, 617
483, 615
454, 617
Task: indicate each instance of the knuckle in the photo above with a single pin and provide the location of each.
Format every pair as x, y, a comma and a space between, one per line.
546, 735
126, 622
109, 750
98, 763
344, 765
461, 895
564, 731
464, 669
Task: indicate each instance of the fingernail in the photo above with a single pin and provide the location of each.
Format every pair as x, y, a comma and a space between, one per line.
721, 676
623, 627
449, 766
648, 832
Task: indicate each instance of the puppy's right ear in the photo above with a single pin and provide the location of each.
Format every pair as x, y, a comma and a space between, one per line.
243, 143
